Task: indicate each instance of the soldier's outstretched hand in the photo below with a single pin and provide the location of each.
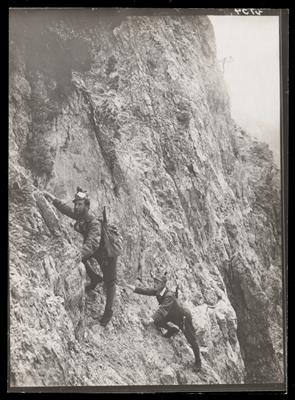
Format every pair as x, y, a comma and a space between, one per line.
48, 196
131, 287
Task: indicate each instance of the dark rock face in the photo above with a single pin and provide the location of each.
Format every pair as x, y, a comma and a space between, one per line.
136, 112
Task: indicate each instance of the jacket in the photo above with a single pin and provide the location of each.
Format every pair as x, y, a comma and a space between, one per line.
169, 309
89, 227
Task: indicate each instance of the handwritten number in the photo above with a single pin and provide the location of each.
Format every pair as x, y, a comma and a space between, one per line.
247, 11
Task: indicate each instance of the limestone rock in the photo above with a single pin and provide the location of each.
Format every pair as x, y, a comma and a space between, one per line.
136, 112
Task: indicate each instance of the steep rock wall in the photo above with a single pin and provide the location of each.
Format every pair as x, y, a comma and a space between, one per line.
136, 112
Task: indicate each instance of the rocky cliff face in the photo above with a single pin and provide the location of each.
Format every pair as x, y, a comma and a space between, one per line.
134, 109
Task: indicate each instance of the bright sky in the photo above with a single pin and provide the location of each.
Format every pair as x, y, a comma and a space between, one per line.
253, 75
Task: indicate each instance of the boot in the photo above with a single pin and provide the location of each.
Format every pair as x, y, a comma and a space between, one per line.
108, 311
198, 363
94, 281
197, 366
107, 316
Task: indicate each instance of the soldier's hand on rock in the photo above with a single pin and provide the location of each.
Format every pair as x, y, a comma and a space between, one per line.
162, 331
48, 196
147, 322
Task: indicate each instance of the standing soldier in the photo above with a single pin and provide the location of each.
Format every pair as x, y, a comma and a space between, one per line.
90, 228
171, 311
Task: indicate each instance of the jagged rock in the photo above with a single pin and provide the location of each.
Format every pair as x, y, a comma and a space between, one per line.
146, 129
48, 214
168, 377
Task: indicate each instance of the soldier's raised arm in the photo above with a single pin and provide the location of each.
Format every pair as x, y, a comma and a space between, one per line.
62, 207
144, 291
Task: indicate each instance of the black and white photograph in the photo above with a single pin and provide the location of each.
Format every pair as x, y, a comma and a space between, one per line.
146, 213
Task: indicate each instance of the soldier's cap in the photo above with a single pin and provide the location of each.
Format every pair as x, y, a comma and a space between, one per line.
80, 195
162, 278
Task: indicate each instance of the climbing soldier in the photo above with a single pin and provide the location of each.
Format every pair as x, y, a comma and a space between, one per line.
93, 247
170, 311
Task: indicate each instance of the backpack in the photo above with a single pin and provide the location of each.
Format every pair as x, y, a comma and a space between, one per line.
112, 239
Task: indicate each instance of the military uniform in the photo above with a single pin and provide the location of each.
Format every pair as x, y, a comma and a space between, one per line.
90, 228
171, 311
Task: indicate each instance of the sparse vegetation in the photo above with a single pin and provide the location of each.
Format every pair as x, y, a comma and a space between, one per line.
39, 156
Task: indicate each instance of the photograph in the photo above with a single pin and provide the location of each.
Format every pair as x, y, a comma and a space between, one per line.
146, 187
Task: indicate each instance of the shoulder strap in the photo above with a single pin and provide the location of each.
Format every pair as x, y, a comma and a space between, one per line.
104, 215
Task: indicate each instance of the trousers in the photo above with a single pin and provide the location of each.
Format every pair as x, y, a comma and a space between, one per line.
108, 267
190, 335
185, 323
